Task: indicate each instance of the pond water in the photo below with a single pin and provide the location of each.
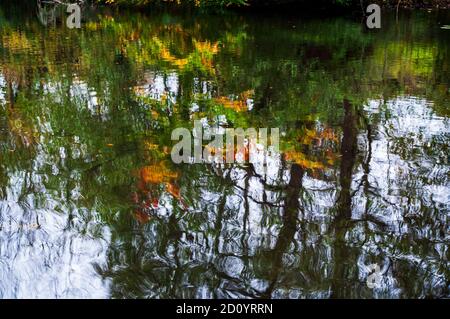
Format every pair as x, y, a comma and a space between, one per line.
92, 206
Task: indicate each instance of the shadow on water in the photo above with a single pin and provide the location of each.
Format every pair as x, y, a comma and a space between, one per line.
91, 204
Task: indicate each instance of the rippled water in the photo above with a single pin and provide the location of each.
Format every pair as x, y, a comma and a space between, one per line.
91, 205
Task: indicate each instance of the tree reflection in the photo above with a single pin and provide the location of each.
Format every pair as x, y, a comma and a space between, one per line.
361, 176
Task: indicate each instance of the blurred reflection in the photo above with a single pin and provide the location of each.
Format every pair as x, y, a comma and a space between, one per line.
92, 206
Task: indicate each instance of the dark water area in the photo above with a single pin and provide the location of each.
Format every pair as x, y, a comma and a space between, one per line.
92, 206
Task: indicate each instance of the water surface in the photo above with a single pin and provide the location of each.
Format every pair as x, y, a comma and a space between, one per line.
91, 205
